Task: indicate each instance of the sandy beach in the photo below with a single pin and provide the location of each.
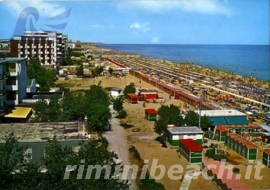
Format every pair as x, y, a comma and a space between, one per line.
141, 134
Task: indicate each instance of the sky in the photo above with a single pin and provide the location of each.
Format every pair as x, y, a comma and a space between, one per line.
142, 21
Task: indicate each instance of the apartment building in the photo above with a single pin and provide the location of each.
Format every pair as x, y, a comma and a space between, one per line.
13, 81
49, 46
4, 45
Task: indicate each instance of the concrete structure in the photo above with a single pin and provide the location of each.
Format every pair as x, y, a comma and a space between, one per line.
49, 46
13, 81
174, 134
71, 45
225, 117
34, 136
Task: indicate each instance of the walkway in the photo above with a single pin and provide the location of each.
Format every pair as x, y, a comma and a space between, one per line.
117, 139
188, 178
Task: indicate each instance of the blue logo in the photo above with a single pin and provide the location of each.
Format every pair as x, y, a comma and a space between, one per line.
29, 17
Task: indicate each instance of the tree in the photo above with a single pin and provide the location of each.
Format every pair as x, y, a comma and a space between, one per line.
168, 115
94, 104
98, 70
56, 160
110, 70
205, 122
192, 119
118, 103
129, 89
11, 159
44, 77
79, 70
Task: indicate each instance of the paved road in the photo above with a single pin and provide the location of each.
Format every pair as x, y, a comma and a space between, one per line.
118, 142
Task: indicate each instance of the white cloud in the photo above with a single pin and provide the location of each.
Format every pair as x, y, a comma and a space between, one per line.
46, 9
212, 7
144, 27
155, 40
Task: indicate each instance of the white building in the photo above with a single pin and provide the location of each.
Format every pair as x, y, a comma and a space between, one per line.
13, 81
49, 46
174, 134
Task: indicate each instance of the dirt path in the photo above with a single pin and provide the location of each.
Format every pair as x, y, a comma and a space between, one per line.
117, 138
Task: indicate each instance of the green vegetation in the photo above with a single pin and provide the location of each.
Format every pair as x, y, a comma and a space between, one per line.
79, 70
212, 153
16, 173
147, 183
118, 106
93, 103
129, 89
6, 54
192, 119
44, 77
97, 71
168, 115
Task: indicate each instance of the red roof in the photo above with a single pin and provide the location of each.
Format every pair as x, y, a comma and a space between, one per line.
151, 111
267, 151
221, 128
191, 145
132, 96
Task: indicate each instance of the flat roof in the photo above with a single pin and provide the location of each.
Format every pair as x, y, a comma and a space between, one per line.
265, 127
230, 112
184, 130
42, 131
11, 59
19, 112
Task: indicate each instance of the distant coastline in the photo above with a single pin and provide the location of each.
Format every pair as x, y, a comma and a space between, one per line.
244, 60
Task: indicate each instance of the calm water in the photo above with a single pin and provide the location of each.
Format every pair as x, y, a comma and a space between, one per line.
246, 60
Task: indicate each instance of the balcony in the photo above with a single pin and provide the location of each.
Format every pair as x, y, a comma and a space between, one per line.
11, 72
11, 87
2, 77
2, 93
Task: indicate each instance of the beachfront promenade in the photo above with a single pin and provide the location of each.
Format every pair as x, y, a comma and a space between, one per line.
170, 73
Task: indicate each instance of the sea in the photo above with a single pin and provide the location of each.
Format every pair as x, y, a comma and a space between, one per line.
245, 60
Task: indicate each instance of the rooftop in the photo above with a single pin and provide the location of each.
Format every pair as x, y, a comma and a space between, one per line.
11, 59
220, 113
184, 130
42, 131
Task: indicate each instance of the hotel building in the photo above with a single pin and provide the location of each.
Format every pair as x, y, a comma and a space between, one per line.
49, 46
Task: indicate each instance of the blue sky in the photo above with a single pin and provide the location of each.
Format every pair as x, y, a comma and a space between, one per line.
148, 21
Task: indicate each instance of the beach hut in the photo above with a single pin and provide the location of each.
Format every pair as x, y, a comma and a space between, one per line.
221, 133
266, 157
191, 150
175, 133
133, 98
151, 114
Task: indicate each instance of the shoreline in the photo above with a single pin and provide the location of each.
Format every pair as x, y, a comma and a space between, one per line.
202, 65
